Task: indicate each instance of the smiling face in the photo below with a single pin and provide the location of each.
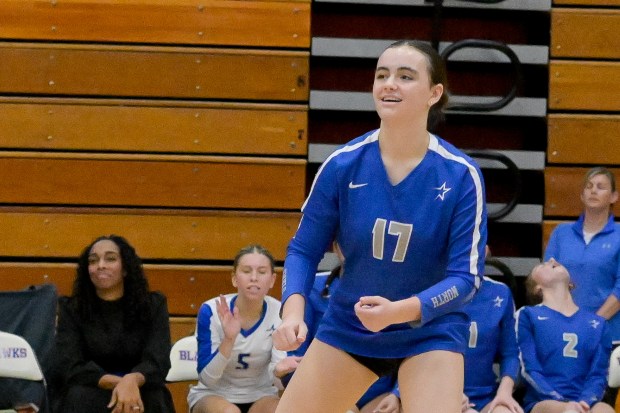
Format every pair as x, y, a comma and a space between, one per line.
253, 276
402, 86
105, 268
598, 194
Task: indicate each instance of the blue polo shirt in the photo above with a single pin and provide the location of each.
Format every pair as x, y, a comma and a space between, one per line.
594, 268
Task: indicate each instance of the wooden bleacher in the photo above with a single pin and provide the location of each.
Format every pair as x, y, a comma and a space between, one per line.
153, 71
590, 34
583, 139
185, 286
548, 227
583, 102
584, 85
586, 3
68, 178
585, 33
180, 125
172, 235
264, 24
152, 126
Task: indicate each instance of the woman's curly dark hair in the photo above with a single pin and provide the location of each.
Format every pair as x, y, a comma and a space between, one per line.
136, 289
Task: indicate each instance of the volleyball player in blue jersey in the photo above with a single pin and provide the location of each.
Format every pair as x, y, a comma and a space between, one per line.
491, 339
408, 211
564, 350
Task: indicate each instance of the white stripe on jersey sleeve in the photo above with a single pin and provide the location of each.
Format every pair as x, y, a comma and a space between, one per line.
473, 263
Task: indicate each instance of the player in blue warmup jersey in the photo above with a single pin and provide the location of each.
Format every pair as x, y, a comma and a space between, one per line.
383, 396
564, 349
491, 339
236, 358
408, 211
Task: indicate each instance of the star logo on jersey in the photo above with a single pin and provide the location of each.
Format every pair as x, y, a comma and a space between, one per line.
595, 323
497, 302
443, 190
606, 246
270, 330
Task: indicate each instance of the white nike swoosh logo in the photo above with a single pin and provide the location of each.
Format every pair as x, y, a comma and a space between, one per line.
543, 318
353, 186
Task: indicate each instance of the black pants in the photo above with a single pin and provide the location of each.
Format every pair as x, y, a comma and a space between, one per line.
14, 392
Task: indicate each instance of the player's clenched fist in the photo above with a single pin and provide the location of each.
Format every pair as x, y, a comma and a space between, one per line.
374, 312
290, 334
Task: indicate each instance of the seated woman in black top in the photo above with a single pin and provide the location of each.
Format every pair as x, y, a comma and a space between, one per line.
113, 339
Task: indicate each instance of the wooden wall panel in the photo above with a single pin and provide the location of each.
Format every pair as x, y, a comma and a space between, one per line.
221, 22
20, 275
150, 181
586, 2
584, 139
185, 286
181, 327
585, 33
153, 126
563, 188
196, 110
134, 71
584, 85
179, 392
156, 234
548, 227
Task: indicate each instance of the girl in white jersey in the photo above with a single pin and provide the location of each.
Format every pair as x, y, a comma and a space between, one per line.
236, 359
408, 211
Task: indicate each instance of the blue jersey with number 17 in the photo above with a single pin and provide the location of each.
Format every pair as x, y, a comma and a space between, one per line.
424, 236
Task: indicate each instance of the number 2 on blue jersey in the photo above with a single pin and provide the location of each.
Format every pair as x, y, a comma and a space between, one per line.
571, 342
398, 229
